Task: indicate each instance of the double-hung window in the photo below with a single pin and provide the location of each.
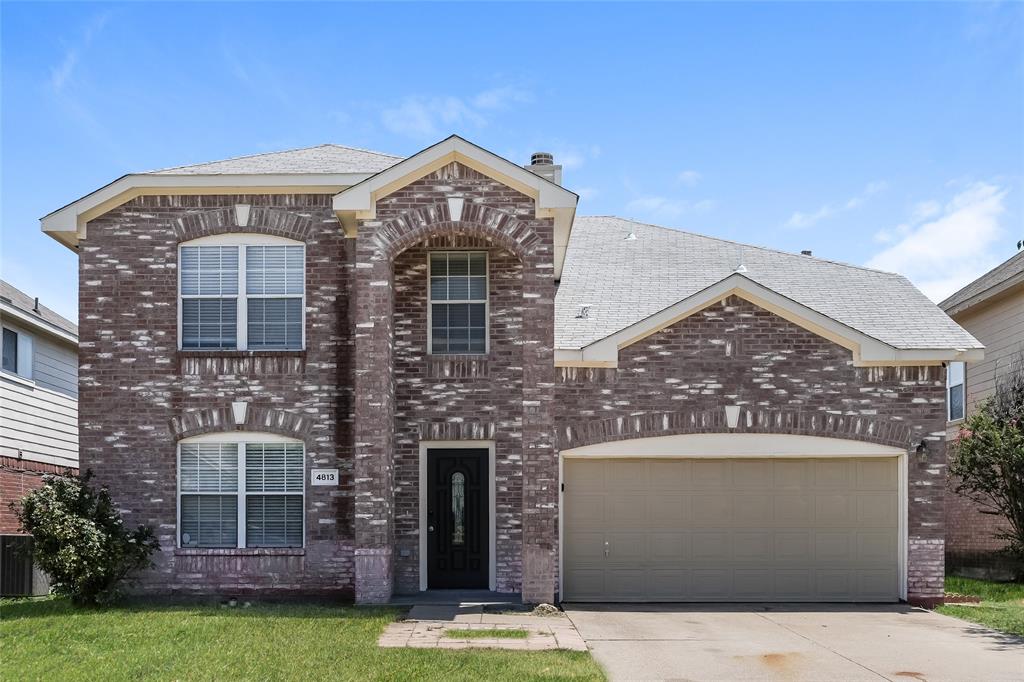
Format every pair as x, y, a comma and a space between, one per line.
458, 302
955, 380
244, 292
17, 352
241, 493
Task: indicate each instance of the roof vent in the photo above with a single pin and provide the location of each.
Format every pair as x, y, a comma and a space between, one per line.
542, 159
35, 306
740, 268
583, 312
631, 237
805, 253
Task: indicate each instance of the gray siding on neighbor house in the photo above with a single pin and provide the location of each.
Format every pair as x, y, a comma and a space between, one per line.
40, 413
1000, 326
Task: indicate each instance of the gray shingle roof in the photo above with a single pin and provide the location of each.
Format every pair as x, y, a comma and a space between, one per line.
997, 279
25, 303
324, 158
627, 280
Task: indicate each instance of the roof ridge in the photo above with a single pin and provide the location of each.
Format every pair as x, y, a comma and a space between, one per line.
279, 151
1000, 266
751, 246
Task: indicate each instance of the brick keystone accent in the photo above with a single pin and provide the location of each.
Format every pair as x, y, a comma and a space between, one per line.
220, 419
262, 220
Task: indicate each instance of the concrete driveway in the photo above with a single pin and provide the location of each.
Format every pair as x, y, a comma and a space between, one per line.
792, 642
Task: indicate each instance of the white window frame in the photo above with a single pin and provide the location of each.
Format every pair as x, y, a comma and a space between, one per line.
239, 439
242, 240
486, 302
24, 353
950, 387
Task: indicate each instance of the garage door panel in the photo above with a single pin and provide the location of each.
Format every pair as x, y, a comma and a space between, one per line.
752, 508
711, 509
711, 546
731, 529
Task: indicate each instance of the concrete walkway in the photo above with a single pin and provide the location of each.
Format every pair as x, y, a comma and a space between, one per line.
779, 642
427, 625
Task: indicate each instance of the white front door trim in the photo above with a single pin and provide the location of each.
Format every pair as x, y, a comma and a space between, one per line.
425, 447
738, 445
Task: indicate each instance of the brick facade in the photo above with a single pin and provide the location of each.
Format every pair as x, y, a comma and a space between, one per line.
787, 380
365, 393
139, 394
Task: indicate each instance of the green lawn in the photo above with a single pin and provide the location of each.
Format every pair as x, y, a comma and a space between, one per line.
1001, 607
487, 634
50, 639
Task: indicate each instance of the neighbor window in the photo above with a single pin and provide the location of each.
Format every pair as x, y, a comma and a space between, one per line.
241, 494
17, 353
10, 350
236, 294
458, 302
955, 374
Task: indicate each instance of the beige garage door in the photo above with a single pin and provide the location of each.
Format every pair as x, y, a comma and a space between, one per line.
731, 529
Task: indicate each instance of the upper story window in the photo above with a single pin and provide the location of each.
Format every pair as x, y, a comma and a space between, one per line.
955, 381
244, 292
240, 490
17, 352
458, 302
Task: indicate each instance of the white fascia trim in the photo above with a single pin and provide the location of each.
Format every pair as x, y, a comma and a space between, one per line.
36, 324
67, 224
359, 202
867, 351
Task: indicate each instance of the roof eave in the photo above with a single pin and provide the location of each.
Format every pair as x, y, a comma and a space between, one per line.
68, 224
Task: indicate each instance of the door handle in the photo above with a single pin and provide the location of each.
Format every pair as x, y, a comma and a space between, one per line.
430, 529
606, 548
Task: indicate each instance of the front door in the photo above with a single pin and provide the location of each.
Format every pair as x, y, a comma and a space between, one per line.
457, 519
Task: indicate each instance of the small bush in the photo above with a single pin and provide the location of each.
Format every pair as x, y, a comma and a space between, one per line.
80, 540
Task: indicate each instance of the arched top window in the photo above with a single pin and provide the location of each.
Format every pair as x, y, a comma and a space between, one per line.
241, 292
241, 489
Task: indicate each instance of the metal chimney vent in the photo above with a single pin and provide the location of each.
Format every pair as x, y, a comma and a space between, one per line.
542, 159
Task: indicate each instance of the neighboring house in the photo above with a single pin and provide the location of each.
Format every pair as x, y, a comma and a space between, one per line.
334, 371
991, 308
38, 419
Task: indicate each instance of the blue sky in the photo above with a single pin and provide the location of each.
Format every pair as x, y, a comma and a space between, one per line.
890, 135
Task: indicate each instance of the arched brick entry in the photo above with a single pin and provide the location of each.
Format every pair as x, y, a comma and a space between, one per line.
491, 214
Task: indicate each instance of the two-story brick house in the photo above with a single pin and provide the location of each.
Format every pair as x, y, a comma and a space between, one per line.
340, 372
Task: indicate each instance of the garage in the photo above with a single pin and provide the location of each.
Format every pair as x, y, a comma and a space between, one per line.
764, 528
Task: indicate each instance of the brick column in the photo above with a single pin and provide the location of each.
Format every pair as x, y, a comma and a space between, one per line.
374, 424
540, 460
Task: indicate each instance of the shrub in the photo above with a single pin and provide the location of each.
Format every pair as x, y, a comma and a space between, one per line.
988, 456
80, 540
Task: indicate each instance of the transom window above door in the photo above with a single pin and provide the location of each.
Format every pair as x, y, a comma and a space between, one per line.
458, 302
242, 292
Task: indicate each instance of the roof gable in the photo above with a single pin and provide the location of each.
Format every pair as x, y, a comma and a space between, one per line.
993, 283
359, 202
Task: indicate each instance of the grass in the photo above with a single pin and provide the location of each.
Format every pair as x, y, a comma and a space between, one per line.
51, 639
1001, 607
487, 634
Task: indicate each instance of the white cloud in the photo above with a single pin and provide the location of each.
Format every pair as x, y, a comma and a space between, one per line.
689, 178
586, 192
953, 246
801, 219
423, 117
667, 208
61, 74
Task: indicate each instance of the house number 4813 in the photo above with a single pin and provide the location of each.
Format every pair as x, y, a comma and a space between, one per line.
323, 477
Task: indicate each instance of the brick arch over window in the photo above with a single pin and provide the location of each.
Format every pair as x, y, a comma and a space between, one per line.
261, 419
477, 220
260, 220
774, 421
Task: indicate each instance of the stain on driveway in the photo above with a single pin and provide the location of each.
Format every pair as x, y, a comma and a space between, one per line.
792, 642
